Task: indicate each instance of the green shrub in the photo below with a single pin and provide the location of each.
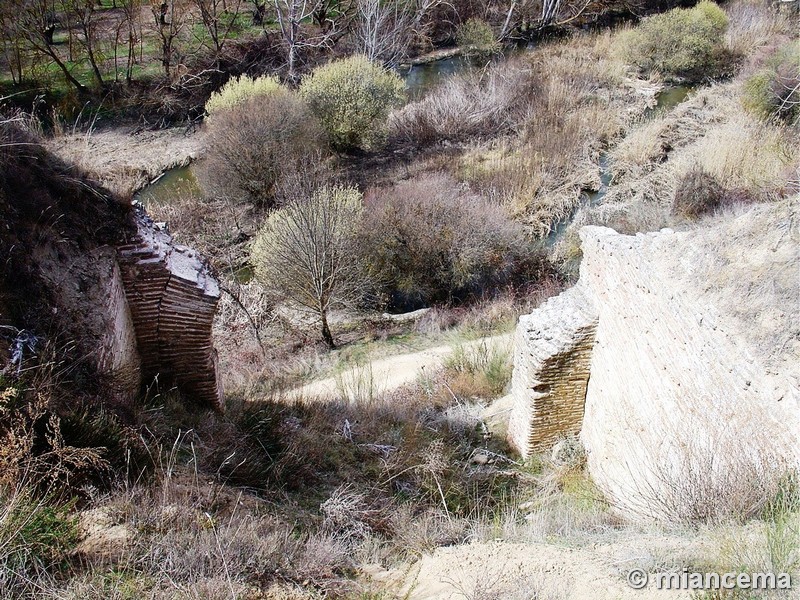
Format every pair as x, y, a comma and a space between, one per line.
774, 92
476, 37
352, 99
253, 146
34, 534
686, 43
239, 90
698, 193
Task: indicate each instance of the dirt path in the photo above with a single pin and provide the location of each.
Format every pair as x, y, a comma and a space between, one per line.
392, 372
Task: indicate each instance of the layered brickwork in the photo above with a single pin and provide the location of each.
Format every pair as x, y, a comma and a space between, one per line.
553, 349
172, 299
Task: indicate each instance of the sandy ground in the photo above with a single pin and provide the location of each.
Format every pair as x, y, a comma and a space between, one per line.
125, 160
392, 372
503, 570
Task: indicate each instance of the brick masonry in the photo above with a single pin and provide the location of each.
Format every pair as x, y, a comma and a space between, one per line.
674, 351
172, 298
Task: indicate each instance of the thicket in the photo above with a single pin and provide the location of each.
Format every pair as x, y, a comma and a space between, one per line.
429, 240
774, 91
256, 142
476, 37
352, 99
684, 42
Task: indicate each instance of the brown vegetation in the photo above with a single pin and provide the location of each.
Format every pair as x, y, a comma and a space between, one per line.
252, 146
429, 240
281, 498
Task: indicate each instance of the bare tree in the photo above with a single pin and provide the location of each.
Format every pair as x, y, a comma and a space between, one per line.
382, 30
290, 15
212, 13
329, 14
12, 39
82, 14
129, 28
37, 20
169, 19
522, 14
422, 11
306, 252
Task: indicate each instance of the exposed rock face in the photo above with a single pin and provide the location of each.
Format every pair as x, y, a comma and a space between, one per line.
694, 369
172, 299
90, 305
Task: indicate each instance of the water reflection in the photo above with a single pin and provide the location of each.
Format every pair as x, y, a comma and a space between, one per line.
180, 181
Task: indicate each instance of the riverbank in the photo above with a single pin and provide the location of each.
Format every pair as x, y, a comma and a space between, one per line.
126, 159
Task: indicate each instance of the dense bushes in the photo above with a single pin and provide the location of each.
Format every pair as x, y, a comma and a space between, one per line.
428, 240
774, 92
697, 193
255, 142
352, 99
686, 43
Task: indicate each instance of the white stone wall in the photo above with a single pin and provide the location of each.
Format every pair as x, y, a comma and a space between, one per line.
693, 377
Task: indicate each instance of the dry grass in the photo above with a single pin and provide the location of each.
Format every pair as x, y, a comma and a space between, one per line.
531, 127
754, 28
745, 153
711, 132
467, 106
483, 371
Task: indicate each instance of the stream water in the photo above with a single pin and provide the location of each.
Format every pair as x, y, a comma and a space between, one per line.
179, 181
420, 79
666, 100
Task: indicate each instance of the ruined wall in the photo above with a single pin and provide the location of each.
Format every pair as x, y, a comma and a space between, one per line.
91, 275
695, 368
552, 351
172, 298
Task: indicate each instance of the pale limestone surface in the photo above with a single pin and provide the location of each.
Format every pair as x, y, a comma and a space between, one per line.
694, 367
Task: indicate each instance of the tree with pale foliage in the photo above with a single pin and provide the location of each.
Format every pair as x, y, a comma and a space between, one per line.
306, 252
352, 99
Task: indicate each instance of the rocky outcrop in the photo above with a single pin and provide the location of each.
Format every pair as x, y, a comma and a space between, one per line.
693, 376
